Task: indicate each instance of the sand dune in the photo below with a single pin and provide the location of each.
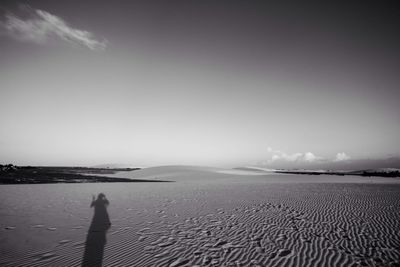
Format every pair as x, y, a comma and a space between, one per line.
215, 219
200, 174
186, 173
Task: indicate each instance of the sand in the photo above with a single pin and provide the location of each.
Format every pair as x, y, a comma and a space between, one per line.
207, 217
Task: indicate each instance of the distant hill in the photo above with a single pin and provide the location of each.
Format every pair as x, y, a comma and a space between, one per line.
361, 164
114, 166
345, 165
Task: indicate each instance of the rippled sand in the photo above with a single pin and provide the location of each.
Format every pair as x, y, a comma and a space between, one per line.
208, 217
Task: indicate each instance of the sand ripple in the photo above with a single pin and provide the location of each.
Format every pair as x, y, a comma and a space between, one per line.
297, 225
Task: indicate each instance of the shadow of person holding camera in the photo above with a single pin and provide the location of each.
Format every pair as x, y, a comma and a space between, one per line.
96, 236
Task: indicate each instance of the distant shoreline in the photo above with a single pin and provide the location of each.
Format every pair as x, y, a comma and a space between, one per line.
367, 173
11, 174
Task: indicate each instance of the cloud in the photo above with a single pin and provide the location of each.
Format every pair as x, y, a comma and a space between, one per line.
341, 156
310, 157
38, 26
278, 155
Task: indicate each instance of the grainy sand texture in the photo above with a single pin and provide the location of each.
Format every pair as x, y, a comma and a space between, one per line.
207, 217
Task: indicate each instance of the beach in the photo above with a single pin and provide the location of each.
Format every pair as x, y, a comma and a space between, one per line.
205, 217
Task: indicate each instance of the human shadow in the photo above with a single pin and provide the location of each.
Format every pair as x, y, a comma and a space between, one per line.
96, 236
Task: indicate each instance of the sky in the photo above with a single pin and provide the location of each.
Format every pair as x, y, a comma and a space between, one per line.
220, 83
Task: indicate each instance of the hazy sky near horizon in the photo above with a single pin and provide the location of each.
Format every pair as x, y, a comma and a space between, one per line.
197, 82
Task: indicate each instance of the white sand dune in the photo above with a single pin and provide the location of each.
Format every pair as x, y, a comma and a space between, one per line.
200, 174
207, 217
186, 173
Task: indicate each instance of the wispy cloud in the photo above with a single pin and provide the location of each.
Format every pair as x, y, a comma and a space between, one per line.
38, 26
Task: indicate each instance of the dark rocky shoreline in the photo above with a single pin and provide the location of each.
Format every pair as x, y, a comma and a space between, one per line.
11, 174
